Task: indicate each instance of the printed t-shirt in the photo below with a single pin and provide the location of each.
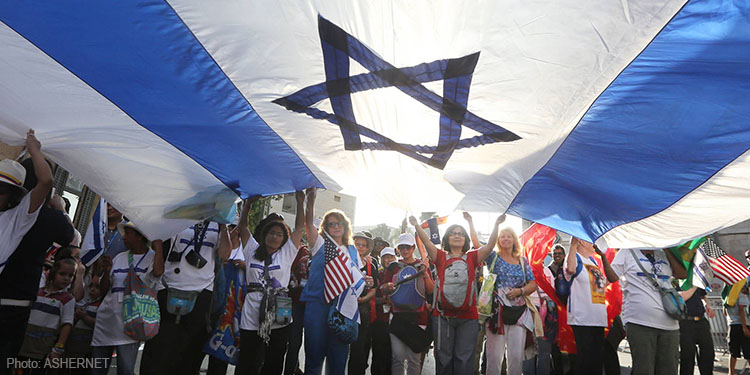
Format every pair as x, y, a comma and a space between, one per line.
14, 223
279, 273
109, 327
641, 302
471, 261
733, 312
586, 303
189, 277
300, 274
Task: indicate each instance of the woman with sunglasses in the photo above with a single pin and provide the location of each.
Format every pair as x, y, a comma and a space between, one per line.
456, 328
321, 342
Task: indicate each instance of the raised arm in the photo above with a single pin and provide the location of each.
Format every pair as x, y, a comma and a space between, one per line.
225, 243
428, 245
472, 231
608, 271
243, 225
312, 233
486, 250
41, 169
299, 220
678, 268
571, 264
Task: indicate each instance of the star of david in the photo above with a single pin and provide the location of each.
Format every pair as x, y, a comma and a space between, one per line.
339, 47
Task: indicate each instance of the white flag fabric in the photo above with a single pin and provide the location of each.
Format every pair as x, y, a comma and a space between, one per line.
702, 273
622, 122
95, 240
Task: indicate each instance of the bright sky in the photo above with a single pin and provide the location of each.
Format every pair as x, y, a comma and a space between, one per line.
367, 214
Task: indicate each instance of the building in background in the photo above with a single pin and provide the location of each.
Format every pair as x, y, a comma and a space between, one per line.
325, 200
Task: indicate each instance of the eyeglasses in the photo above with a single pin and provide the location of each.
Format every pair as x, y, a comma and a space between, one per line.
276, 234
334, 224
457, 233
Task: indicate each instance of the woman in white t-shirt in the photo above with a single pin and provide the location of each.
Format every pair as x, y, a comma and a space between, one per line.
109, 333
263, 341
653, 335
587, 309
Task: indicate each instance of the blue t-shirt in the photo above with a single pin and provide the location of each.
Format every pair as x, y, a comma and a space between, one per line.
509, 275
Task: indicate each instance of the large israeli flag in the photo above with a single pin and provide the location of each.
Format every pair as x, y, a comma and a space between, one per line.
620, 121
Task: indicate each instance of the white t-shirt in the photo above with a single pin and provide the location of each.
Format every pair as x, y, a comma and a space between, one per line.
236, 254
586, 303
280, 271
733, 312
14, 224
641, 302
190, 278
109, 328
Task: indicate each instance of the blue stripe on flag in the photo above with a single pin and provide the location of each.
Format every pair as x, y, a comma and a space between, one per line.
667, 124
91, 255
144, 59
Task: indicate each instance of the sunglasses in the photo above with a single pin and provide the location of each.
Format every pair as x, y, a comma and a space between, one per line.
456, 233
334, 224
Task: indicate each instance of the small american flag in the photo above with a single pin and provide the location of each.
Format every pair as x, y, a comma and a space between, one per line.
726, 268
337, 275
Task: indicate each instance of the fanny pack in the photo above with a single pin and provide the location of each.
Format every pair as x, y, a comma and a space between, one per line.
511, 314
180, 302
671, 300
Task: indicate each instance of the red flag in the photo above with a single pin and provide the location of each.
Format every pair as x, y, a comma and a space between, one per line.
536, 242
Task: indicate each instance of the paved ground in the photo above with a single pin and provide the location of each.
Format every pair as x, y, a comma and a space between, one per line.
720, 364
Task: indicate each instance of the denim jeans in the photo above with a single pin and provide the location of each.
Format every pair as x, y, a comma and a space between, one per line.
455, 342
321, 343
540, 363
126, 356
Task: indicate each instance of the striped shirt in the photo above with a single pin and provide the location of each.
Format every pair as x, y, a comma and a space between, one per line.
52, 310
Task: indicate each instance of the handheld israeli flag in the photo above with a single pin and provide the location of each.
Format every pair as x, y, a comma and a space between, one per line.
702, 273
94, 241
622, 122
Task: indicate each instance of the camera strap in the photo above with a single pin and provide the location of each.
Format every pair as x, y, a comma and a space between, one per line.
199, 234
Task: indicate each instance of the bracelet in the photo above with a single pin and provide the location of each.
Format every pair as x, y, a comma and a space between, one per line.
60, 345
58, 350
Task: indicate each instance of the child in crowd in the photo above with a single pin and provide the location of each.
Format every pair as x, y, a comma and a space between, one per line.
79, 343
739, 332
51, 315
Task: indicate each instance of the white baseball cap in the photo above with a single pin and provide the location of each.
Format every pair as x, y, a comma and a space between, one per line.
388, 251
406, 239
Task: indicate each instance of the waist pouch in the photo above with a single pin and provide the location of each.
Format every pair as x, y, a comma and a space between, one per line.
283, 310
181, 302
511, 314
406, 329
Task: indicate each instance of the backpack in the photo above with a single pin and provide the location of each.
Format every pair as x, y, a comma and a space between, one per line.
457, 291
409, 295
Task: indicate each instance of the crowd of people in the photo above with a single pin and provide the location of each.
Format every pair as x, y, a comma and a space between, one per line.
477, 306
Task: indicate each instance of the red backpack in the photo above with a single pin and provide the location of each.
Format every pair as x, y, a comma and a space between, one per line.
456, 287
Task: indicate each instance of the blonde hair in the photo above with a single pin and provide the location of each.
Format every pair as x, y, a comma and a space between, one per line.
516, 251
341, 216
